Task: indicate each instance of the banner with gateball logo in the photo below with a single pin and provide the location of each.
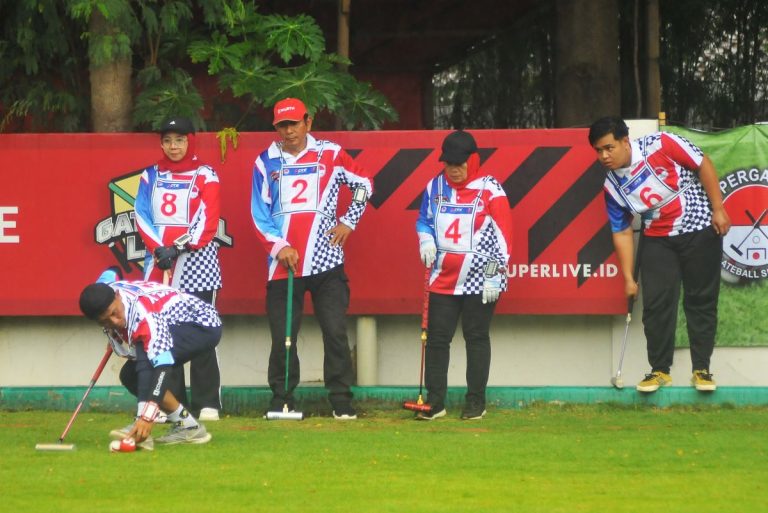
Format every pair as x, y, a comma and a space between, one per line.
740, 156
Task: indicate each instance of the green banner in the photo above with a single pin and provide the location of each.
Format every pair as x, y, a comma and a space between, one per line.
740, 156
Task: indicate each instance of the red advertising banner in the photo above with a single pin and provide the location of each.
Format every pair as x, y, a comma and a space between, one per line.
66, 214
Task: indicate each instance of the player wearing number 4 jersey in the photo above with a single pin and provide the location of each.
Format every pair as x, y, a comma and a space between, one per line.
464, 230
673, 186
296, 183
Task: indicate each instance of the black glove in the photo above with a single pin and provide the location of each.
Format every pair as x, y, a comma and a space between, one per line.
165, 255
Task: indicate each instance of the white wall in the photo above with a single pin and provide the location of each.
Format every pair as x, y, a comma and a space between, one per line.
527, 351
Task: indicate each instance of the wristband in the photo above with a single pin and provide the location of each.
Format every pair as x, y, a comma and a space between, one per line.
150, 411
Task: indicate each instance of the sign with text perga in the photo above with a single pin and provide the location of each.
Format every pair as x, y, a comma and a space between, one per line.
73, 205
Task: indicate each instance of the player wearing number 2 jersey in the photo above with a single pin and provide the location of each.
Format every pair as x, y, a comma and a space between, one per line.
179, 196
296, 183
674, 187
465, 230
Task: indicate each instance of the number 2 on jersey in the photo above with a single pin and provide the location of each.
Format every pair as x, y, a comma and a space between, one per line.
302, 186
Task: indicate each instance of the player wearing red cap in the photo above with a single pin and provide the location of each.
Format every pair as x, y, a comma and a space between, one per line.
296, 183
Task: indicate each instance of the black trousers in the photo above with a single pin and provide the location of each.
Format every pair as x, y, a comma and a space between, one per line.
693, 260
330, 298
204, 375
444, 313
189, 341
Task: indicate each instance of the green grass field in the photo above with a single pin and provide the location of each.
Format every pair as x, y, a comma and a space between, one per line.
536, 459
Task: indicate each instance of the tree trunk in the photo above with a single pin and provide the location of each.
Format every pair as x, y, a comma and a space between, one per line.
587, 62
653, 82
110, 85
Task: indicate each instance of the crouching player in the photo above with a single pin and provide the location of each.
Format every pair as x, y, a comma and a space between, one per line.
166, 328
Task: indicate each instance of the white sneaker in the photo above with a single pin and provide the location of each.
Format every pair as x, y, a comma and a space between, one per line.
209, 414
178, 434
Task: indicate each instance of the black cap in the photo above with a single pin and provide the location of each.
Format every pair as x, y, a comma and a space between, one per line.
177, 124
457, 147
95, 299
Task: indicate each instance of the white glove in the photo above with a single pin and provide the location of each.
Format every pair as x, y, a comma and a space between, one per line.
491, 289
428, 252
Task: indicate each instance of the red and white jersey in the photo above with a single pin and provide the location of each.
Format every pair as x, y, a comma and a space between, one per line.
662, 185
294, 201
470, 226
151, 309
170, 204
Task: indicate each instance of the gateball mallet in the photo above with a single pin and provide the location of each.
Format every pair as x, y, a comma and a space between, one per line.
419, 405
287, 414
61, 446
617, 381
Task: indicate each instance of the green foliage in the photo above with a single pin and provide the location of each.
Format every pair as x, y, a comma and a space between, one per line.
289, 37
48, 45
113, 38
43, 73
266, 58
162, 99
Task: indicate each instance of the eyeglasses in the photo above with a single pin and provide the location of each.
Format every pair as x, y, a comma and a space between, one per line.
178, 141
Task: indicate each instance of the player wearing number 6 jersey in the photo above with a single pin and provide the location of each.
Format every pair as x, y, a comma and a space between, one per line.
296, 183
179, 197
465, 230
674, 187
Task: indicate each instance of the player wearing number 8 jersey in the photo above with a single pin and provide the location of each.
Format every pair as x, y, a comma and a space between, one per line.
296, 183
674, 187
464, 230
179, 196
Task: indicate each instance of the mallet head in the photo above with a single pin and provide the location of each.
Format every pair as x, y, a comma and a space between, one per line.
415, 406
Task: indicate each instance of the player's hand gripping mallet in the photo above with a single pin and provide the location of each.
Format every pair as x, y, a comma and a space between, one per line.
419, 404
286, 414
61, 446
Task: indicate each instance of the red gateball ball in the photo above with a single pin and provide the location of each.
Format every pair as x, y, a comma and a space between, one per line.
127, 445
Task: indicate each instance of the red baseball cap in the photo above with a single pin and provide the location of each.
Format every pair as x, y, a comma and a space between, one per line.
289, 109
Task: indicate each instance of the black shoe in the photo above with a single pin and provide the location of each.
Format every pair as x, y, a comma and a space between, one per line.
344, 412
431, 415
473, 411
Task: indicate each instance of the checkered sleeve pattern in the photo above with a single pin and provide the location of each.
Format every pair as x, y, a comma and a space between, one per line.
487, 249
324, 256
184, 308
697, 208
153, 308
201, 270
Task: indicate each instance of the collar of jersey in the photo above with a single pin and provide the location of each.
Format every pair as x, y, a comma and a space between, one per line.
276, 153
637, 158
